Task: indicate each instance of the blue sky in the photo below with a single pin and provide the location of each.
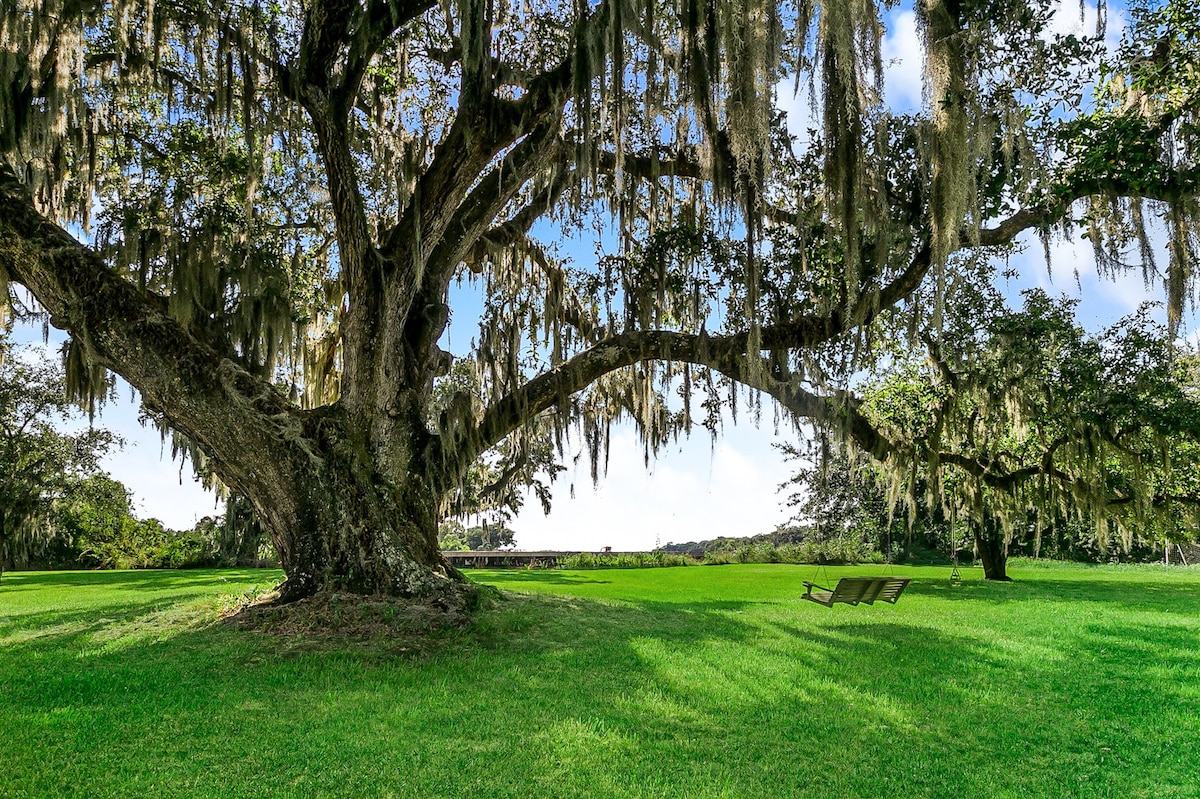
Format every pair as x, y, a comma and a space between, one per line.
694, 490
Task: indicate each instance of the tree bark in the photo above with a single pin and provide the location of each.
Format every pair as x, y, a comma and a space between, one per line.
992, 550
337, 524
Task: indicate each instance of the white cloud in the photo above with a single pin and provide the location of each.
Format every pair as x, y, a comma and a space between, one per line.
692, 492
1073, 273
1067, 20
903, 63
796, 103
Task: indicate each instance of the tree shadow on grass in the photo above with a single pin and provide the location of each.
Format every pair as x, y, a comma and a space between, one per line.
1146, 593
133, 580
50, 630
1036, 717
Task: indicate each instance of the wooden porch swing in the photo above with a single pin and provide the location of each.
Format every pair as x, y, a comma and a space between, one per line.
857, 591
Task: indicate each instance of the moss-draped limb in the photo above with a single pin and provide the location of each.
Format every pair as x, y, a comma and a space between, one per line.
843, 411
381, 20
461, 444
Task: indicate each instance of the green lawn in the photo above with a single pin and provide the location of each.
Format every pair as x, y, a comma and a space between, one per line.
686, 682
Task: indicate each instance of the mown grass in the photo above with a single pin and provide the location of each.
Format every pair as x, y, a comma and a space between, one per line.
676, 682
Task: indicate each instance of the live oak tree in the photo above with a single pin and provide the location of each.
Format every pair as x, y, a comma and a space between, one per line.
255, 213
1019, 420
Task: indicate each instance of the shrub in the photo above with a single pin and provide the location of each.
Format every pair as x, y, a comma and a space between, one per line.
624, 560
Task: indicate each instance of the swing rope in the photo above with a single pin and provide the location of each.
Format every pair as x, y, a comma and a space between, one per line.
819, 569
955, 577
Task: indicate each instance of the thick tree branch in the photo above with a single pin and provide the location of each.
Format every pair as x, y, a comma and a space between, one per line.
415, 300
650, 166
326, 31
199, 391
505, 479
543, 199
471, 221
723, 353
844, 410
485, 126
644, 166
382, 20
360, 262
1159, 500
1178, 185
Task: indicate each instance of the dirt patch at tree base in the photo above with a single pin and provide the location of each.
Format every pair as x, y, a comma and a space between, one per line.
336, 615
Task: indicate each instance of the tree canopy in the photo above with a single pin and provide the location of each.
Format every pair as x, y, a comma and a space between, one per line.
1020, 420
255, 212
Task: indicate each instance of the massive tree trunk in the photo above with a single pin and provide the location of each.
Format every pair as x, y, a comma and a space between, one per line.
348, 492
335, 523
992, 549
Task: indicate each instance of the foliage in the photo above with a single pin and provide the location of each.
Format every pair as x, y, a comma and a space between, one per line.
238, 536
841, 500
624, 560
96, 517
93, 526
454, 536
786, 544
38, 462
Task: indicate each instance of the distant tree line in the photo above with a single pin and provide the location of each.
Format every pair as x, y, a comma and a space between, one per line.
59, 510
454, 536
91, 525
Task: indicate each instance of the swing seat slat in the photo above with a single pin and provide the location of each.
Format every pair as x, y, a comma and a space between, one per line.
857, 590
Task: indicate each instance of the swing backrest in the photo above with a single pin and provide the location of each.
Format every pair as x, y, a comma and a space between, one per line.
871, 591
892, 588
849, 590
